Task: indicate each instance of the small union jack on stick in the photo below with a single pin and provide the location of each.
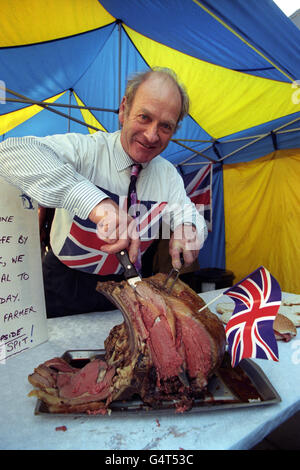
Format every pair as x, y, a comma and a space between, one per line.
250, 331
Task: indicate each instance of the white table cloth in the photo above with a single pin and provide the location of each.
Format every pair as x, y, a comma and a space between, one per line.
224, 429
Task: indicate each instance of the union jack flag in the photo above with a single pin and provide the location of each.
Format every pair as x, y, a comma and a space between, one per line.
250, 331
81, 248
198, 186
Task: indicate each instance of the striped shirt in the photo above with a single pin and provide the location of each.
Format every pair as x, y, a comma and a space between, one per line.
74, 172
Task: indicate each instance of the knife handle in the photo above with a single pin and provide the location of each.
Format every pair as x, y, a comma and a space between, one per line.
130, 270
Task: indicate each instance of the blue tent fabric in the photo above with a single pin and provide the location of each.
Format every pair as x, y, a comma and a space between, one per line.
206, 39
50, 67
213, 252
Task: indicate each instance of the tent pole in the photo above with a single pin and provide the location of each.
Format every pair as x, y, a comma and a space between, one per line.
287, 124
59, 105
245, 146
195, 152
193, 164
274, 140
69, 110
191, 140
53, 110
288, 130
238, 139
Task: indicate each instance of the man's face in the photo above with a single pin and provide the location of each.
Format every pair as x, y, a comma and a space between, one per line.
151, 121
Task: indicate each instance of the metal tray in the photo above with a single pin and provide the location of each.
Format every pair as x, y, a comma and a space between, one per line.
243, 386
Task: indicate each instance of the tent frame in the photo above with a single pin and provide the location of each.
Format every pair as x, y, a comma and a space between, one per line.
212, 143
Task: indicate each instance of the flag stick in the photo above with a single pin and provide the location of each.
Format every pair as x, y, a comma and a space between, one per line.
210, 302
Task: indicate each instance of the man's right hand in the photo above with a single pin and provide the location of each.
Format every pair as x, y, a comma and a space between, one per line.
115, 228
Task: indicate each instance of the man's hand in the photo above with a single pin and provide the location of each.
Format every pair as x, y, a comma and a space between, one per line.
184, 240
115, 228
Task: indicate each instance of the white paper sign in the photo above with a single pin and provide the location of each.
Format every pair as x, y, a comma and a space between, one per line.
23, 321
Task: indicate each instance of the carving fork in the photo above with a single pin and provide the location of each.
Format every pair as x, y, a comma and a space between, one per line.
171, 273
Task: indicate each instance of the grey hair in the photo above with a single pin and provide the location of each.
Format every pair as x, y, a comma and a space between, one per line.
139, 78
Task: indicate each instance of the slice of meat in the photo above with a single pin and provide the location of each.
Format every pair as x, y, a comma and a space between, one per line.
92, 380
161, 330
59, 364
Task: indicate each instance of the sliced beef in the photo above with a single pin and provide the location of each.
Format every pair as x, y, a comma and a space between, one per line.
93, 380
164, 350
65, 387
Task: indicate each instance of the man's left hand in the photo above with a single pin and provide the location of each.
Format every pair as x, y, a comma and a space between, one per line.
185, 240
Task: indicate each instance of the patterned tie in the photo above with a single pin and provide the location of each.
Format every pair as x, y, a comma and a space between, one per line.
132, 201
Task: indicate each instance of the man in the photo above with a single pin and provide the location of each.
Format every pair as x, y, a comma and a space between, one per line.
86, 178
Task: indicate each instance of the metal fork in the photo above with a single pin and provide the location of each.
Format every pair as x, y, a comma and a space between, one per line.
171, 273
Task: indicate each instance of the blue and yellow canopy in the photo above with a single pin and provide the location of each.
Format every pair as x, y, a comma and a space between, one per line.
240, 62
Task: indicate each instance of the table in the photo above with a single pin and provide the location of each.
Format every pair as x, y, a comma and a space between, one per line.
235, 429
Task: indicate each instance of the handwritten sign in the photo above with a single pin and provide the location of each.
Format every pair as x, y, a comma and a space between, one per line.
23, 322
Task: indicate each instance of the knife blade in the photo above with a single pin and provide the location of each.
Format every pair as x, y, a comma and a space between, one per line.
130, 273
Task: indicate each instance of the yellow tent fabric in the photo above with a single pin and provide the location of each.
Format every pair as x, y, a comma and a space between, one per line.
262, 217
11, 120
39, 21
88, 117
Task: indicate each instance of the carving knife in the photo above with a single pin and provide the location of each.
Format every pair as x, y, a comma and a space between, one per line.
130, 273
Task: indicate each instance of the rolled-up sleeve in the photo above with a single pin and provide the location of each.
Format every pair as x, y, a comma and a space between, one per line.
41, 170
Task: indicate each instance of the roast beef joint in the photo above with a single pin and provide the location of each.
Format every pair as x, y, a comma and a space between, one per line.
165, 350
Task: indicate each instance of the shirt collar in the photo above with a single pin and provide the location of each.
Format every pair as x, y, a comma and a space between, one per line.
122, 159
